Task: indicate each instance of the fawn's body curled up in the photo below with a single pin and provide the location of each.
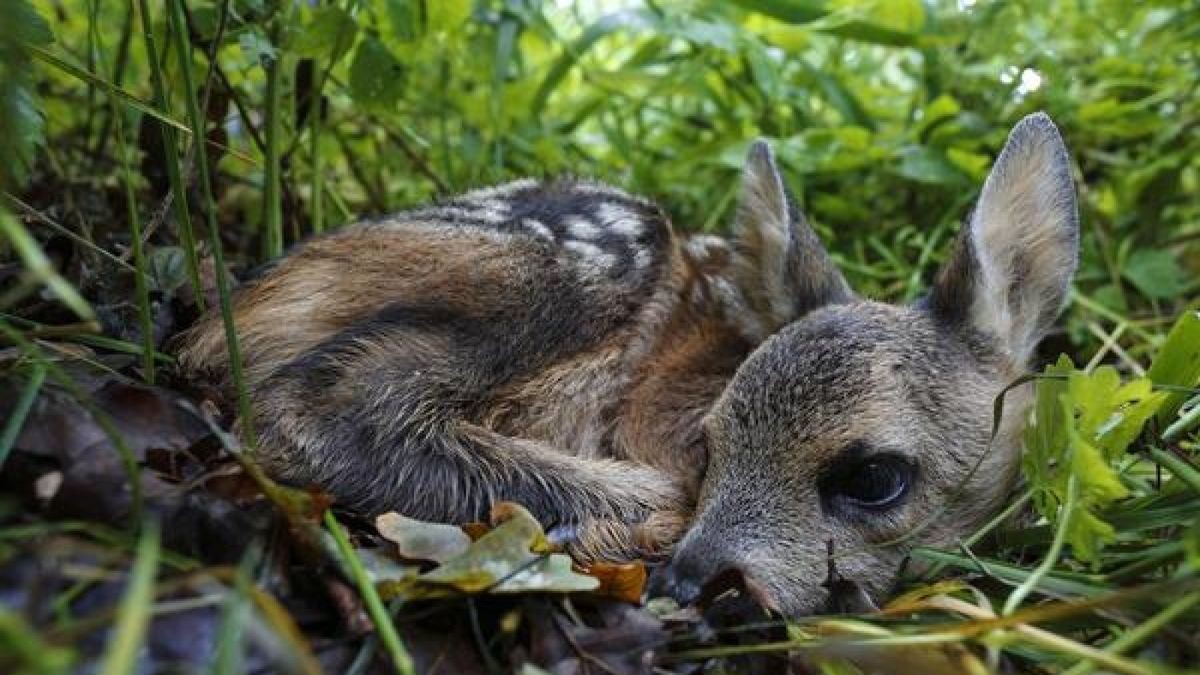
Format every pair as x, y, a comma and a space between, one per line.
558, 344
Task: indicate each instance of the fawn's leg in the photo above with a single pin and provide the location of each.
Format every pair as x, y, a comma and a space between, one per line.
379, 416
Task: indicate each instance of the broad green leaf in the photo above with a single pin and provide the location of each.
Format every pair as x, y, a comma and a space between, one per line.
791, 11
1111, 413
1155, 273
377, 78
886, 22
840, 97
1178, 363
928, 165
1045, 436
256, 46
1080, 427
328, 34
403, 17
443, 15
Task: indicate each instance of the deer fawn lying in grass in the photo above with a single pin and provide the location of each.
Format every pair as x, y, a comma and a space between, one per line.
558, 345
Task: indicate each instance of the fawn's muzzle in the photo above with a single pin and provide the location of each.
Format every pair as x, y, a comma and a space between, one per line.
697, 576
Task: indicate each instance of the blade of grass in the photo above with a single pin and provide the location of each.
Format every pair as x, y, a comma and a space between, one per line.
1051, 557
1188, 421
1178, 468
16, 420
141, 291
378, 613
65, 231
134, 614
272, 188
179, 201
214, 235
234, 612
38, 266
48, 57
1141, 632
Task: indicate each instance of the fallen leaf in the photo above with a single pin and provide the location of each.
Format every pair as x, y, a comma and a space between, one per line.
419, 540
620, 581
505, 560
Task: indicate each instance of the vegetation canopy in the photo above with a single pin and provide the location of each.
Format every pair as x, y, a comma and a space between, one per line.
153, 153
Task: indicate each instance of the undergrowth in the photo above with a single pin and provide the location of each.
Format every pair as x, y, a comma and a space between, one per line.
150, 153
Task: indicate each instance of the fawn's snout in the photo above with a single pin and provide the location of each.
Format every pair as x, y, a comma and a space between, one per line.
701, 573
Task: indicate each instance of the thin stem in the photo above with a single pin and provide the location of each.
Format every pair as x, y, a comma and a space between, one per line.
1051, 558
378, 613
20, 412
214, 235
141, 290
179, 203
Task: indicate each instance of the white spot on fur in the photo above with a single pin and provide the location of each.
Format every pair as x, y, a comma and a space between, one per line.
581, 228
620, 220
592, 256
538, 228
481, 194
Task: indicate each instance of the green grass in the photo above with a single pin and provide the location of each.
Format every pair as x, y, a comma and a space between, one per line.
885, 116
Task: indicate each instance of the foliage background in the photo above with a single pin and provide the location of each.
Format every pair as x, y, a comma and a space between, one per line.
885, 113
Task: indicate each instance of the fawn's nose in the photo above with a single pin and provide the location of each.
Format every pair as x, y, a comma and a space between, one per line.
695, 575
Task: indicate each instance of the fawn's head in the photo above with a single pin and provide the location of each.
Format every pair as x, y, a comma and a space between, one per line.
858, 423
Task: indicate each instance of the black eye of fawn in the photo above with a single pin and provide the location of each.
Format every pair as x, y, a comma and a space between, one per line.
872, 482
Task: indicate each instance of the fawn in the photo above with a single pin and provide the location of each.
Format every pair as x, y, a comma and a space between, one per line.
556, 344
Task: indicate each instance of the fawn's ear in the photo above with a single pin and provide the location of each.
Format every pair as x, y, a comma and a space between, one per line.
1011, 272
781, 267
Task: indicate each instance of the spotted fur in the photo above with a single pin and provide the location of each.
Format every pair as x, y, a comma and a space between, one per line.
556, 343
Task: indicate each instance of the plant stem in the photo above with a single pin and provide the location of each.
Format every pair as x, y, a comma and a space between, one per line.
272, 188
179, 203
378, 613
1139, 633
134, 613
1051, 558
16, 419
214, 235
145, 318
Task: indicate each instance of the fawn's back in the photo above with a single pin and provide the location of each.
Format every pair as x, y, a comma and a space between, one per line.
556, 344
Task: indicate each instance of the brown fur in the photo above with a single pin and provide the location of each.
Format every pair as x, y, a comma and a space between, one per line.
557, 345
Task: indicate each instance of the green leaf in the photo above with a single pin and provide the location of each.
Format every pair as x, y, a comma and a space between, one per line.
21, 123
928, 165
790, 11
1155, 272
329, 34
1178, 363
840, 97
626, 20
256, 46
377, 78
1191, 544
1112, 414
1081, 425
404, 18
1045, 436
444, 15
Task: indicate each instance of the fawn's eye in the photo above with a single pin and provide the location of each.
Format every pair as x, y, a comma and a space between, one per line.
874, 482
